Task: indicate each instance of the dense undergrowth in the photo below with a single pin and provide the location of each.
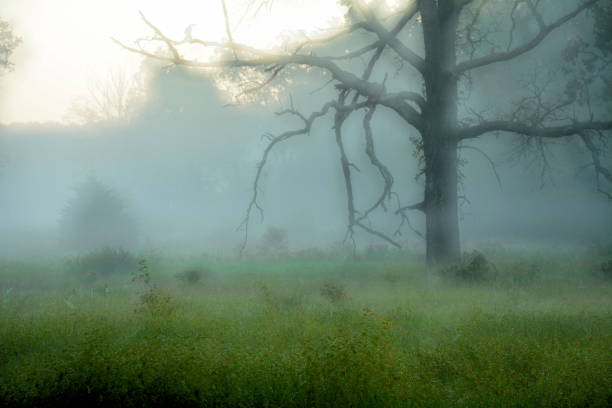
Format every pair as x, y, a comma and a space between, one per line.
536, 332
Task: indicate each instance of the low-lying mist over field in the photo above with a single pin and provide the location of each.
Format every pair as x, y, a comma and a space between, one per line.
278, 203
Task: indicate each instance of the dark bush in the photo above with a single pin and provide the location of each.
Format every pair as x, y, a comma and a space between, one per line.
105, 262
334, 292
192, 276
606, 269
473, 268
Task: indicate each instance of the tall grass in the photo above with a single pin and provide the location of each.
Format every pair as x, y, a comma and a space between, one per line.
257, 334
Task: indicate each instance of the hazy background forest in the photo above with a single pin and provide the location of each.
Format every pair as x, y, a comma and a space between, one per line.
182, 162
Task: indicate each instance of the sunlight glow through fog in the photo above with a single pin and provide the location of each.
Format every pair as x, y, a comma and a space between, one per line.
67, 43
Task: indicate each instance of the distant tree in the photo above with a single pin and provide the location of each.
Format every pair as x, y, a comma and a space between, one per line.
97, 218
421, 60
274, 241
8, 43
110, 99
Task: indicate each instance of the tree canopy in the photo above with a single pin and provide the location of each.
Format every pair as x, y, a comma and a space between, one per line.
8, 43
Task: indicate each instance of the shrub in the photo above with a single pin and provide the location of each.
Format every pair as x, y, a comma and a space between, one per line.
107, 261
334, 292
473, 268
192, 276
153, 301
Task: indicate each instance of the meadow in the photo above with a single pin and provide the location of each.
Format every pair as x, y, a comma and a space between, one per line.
300, 331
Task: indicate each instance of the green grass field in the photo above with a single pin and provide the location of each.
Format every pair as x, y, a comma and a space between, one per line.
303, 333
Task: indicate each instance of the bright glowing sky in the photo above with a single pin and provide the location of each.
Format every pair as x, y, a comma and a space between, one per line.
67, 43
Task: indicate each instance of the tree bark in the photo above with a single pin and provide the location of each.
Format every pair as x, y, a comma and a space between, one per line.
442, 223
439, 140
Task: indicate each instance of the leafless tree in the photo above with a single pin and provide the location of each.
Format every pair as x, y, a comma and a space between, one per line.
448, 41
113, 98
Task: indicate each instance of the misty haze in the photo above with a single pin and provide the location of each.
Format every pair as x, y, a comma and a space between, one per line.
287, 203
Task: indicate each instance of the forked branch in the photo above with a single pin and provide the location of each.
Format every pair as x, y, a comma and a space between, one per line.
353, 219
274, 140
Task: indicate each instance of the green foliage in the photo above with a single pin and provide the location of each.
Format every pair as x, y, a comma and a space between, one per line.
8, 43
353, 363
281, 300
103, 263
153, 301
546, 344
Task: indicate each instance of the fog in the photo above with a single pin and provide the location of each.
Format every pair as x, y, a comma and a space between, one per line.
181, 159
184, 167
415, 209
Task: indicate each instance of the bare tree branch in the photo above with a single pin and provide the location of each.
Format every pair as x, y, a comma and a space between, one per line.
260, 86
491, 162
373, 91
418, 206
341, 32
162, 37
513, 28
339, 119
404, 219
390, 39
228, 29
382, 169
378, 234
527, 130
274, 140
357, 53
518, 51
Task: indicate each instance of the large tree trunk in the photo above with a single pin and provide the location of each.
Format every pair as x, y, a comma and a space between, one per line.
442, 224
440, 121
